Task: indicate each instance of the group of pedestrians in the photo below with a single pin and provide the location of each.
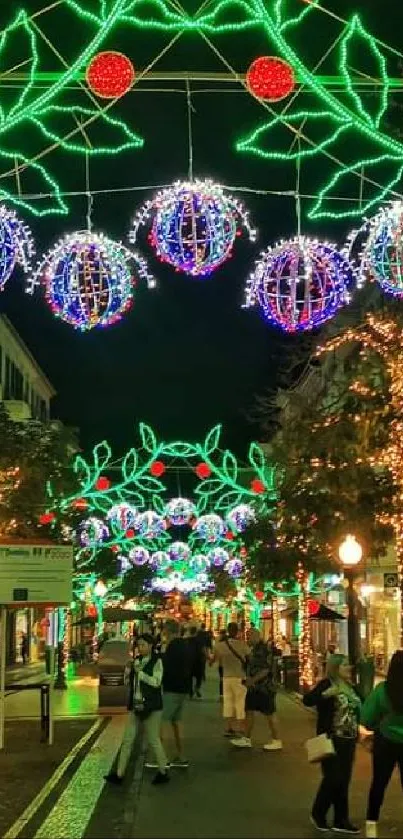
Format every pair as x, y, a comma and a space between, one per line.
165, 672
340, 713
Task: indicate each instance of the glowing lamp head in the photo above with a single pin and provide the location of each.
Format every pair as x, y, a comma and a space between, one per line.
100, 589
350, 552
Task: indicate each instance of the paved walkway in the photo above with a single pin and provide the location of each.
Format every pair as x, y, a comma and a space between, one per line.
225, 793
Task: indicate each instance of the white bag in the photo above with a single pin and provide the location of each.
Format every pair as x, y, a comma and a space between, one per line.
319, 748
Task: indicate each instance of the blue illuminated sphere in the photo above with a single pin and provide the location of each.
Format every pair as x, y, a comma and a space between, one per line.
88, 281
241, 517
384, 253
139, 555
150, 525
194, 227
300, 284
179, 511
218, 557
210, 527
92, 532
16, 245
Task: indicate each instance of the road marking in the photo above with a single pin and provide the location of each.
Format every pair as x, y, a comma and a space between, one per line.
34, 806
73, 810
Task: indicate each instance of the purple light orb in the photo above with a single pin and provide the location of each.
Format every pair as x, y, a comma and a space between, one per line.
150, 525
234, 567
179, 511
160, 561
93, 531
241, 517
139, 555
218, 557
211, 527
180, 552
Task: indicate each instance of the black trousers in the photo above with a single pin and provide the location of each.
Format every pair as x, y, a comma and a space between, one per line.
333, 790
385, 756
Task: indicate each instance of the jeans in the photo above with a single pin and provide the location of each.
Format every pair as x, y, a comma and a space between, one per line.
152, 727
386, 754
333, 790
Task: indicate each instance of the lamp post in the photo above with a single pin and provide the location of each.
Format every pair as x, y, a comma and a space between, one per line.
100, 590
350, 555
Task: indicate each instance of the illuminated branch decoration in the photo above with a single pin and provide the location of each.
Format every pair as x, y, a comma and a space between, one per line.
137, 518
52, 114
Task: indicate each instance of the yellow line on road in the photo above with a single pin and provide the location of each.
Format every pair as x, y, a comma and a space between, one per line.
34, 806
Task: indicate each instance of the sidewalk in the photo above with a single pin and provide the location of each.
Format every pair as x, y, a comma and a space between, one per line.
229, 792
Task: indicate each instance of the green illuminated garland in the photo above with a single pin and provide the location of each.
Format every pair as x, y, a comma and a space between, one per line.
337, 118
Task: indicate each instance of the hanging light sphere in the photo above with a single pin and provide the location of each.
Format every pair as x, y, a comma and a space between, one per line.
384, 251
16, 245
179, 511
300, 284
218, 557
194, 226
92, 532
180, 552
150, 525
122, 516
211, 527
139, 555
160, 561
241, 517
88, 280
199, 563
234, 567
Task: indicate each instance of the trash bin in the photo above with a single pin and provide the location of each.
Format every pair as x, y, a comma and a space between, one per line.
291, 672
366, 675
112, 660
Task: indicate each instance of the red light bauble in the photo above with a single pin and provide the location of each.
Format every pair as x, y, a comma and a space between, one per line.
157, 469
243, 552
313, 607
115, 549
110, 75
229, 535
259, 595
102, 483
130, 534
270, 78
92, 611
203, 470
257, 486
46, 518
80, 503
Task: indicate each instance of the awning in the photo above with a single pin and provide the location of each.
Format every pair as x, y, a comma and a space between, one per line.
116, 615
323, 614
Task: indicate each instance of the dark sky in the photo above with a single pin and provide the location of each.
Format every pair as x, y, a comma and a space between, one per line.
187, 356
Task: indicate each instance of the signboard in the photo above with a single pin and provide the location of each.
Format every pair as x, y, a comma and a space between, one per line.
390, 581
36, 574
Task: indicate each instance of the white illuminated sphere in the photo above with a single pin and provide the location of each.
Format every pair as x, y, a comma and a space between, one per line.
179, 511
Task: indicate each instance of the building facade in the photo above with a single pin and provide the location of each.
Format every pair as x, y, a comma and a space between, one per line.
26, 393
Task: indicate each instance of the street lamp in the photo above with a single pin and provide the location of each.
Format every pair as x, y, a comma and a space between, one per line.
350, 555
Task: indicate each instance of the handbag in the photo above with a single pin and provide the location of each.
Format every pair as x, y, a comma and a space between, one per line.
319, 748
239, 657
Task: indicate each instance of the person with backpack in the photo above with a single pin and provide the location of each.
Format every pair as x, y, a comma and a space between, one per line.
144, 705
382, 713
232, 654
260, 692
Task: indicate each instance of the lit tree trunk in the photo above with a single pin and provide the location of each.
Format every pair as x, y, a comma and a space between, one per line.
304, 641
398, 527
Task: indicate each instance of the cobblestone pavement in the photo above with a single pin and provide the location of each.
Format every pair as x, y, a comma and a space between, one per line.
225, 793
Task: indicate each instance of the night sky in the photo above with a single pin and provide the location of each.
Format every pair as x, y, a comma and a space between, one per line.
187, 356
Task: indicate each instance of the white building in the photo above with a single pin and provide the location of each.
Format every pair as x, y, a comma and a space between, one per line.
24, 388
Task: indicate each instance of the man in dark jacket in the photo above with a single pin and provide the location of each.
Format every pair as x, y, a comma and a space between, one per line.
176, 684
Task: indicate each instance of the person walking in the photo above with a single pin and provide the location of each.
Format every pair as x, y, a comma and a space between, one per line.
260, 692
145, 705
24, 648
232, 654
382, 713
338, 707
196, 661
222, 637
176, 687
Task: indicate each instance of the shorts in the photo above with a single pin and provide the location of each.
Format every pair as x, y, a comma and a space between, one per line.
234, 693
173, 706
257, 700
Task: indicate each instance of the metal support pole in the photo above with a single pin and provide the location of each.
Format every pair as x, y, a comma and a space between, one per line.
352, 624
3, 631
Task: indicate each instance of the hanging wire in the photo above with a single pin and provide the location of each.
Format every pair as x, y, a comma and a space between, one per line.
90, 197
190, 110
297, 188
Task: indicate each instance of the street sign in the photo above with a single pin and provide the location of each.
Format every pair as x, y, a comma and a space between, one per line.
390, 581
36, 574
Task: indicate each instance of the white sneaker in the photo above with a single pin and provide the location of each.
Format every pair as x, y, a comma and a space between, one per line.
371, 830
242, 742
274, 746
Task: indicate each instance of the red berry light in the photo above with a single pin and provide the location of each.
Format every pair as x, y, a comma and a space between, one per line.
80, 504
46, 518
259, 595
102, 483
203, 471
257, 486
313, 607
157, 469
110, 75
270, 78
130, 534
